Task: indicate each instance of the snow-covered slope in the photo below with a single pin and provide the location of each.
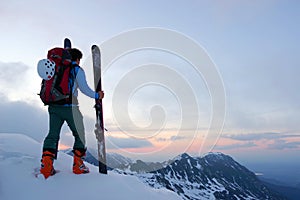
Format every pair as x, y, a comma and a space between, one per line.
19, 155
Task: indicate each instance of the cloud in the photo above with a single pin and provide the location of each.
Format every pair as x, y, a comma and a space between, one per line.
172, 138
120, 143
21, 117
282, 144
260, 136
18, 81
279, 141
28, 119
16, 71
236, 146
175, 138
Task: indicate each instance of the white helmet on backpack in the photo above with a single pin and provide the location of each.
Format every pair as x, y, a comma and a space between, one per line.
46, 69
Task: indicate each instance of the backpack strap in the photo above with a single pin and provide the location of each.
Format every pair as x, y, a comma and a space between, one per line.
72, 78
73, 73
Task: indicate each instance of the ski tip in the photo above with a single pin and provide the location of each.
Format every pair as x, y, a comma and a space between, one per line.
94, 47
67, 43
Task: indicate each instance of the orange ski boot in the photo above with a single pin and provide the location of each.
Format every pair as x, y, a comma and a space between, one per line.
78, 165
47, 168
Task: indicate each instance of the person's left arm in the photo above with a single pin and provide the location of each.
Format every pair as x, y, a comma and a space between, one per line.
84, 87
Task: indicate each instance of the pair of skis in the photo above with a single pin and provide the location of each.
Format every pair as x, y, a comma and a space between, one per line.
99, 126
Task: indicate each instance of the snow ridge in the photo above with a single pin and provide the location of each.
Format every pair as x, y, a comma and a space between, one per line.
19, 155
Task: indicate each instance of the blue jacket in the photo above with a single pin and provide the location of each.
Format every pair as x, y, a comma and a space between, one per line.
81, 83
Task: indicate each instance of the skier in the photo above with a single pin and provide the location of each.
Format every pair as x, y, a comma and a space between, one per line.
70, 113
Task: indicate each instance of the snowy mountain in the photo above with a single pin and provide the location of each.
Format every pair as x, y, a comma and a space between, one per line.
20, 155
139, 166
115, 160
214, 176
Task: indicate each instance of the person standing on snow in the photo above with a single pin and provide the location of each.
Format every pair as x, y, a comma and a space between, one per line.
70, 113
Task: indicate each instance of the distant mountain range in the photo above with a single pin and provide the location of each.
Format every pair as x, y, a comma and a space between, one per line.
214, 176
114, 160
291, 193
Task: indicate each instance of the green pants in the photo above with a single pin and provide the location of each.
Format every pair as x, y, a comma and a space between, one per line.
57, 116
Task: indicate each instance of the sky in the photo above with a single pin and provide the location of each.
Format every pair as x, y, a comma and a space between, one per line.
193, 76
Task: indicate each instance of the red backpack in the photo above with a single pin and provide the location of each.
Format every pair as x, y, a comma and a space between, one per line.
57, 90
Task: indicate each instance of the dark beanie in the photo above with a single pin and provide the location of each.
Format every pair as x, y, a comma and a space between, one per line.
75, 54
